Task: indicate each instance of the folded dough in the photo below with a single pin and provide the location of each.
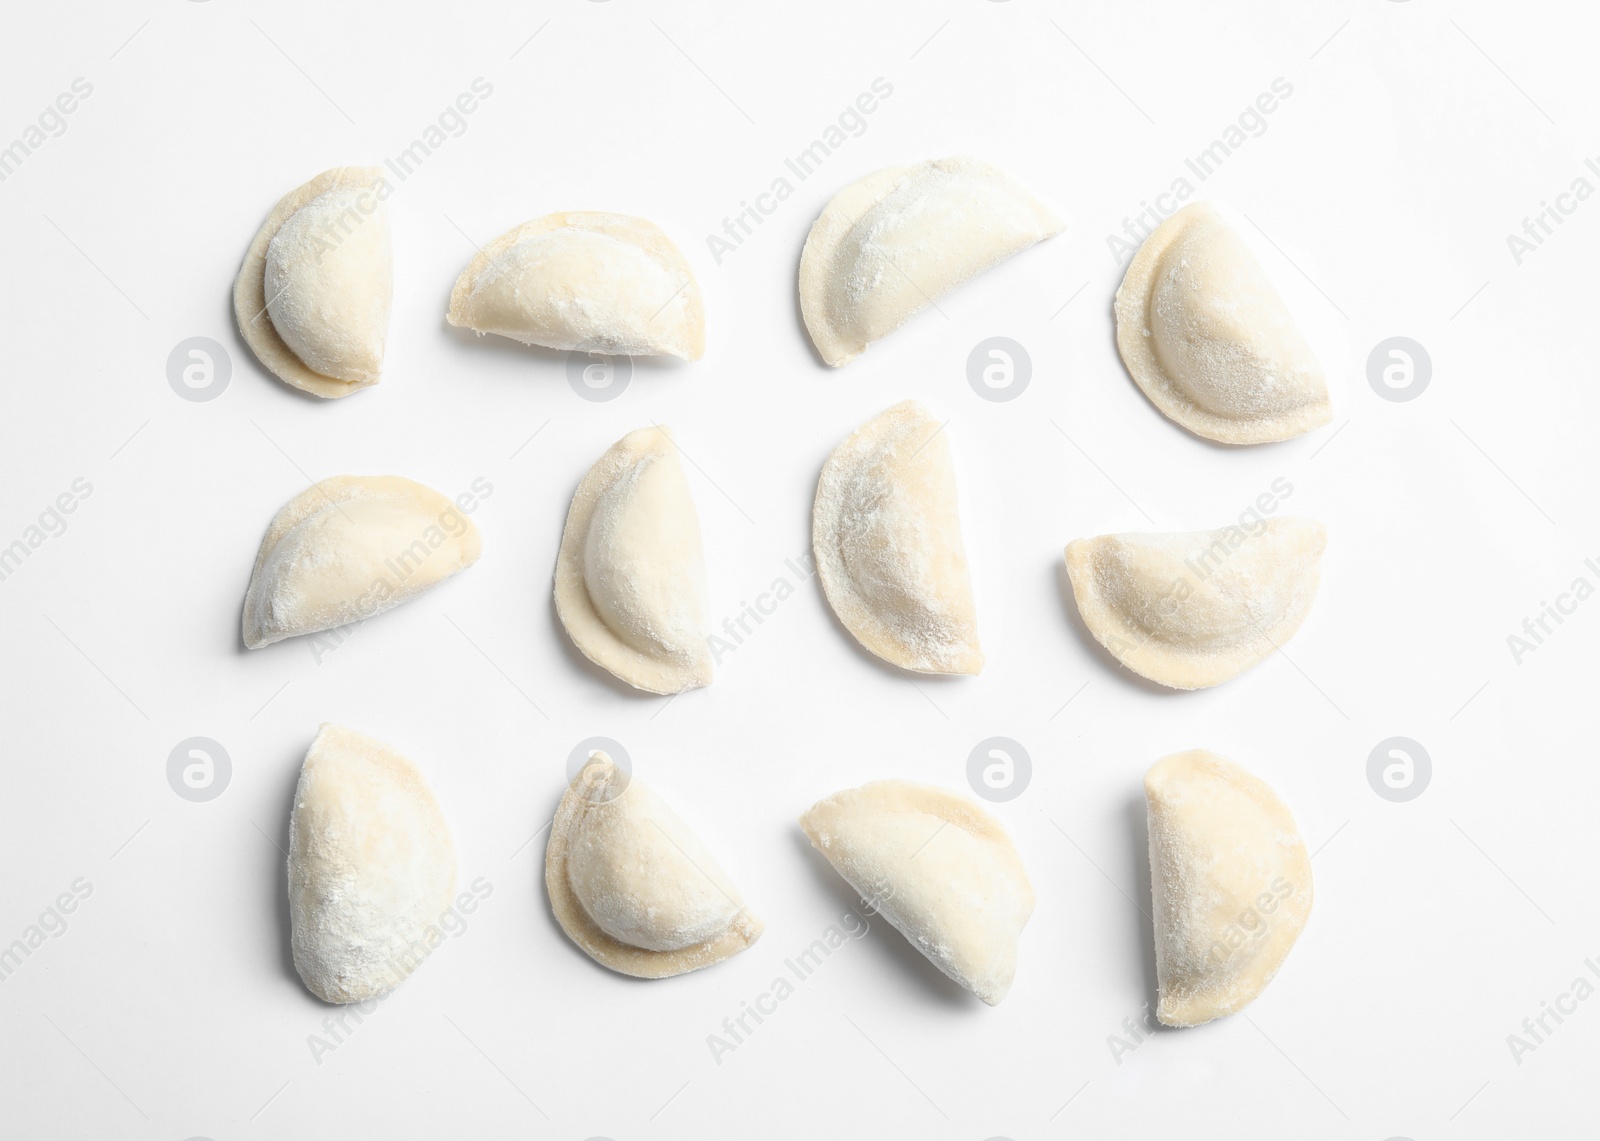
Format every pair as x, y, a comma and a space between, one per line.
891, 244
1195, 609
633, 886
604, 283
371, 868
887, 535
351, 547
1208, 339
939, 868
312, 298
631, 573
1231, 884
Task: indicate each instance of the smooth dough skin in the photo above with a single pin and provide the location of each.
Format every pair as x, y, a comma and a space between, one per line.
351, 547
1196, 609
631, 573
1206, 336
889, 245
886, 531
604, 283
312, 298
1230, 881
631, 884
939, 868
371, 868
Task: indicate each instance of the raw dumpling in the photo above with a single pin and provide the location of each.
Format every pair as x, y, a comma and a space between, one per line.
351, 547
312, 299
1193, 610
604, 283
1231, 883
371, 868
887, 536
631, 574
1206, 336
633, 886
937, 867
889, 245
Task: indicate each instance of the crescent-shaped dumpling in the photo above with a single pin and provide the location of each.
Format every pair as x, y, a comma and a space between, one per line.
1231, 885
312, 298
1205, 334
604, 283
371, 868
887, 535
939, 868
631, 573
1195, 609
893, 243
351, 547
633, 886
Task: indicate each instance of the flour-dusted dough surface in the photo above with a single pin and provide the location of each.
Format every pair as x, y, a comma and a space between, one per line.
312, 298
604, 283
372, 868
1206, 336
631, 573
1195, 609
351, 547
939, 868
886, 530
633, 886
1231, 885
889, 245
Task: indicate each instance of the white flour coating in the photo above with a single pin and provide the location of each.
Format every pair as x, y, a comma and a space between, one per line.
894, 242
1230, 883
1206, 336
630, 582
1195, 609
631, 884
887, 536
604, 283
372, 868
939, 868
351, 547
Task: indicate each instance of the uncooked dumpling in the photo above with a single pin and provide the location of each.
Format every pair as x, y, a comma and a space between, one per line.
351, 547
1231, 883
887, 536
371, 868
1195, 609
633, 886
604, 283
937, 867
1207, 337
312, 299
631, 574
896, 241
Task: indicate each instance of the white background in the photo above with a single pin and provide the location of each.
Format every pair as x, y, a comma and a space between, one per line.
1418, 136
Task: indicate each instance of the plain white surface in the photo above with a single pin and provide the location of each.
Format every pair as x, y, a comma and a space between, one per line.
1417, 137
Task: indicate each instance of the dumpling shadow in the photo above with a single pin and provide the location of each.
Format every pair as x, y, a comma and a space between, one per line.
1122, 673
1139, 835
